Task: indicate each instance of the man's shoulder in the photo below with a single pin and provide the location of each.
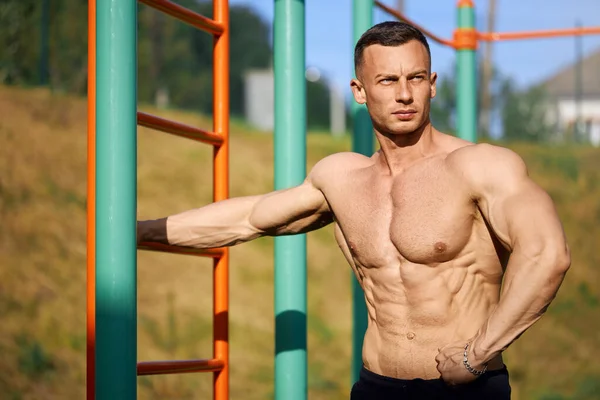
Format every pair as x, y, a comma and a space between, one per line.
485, 158
337, 165
340, 162
486, 167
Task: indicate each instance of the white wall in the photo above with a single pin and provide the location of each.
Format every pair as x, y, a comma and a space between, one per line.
564, 113
259, 99
595, 134
590, 109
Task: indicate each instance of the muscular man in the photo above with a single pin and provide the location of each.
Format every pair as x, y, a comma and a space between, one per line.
458, 251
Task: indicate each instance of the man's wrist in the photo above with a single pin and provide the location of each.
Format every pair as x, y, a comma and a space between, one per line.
482, 353
471, 365
152, 231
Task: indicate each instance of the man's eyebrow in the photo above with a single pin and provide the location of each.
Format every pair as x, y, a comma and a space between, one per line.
386, 75
395, 76
419, 72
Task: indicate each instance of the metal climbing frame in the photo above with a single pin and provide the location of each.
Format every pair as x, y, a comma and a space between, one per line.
465, 41
112, 364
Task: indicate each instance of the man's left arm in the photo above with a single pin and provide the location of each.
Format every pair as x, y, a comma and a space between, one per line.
523, 217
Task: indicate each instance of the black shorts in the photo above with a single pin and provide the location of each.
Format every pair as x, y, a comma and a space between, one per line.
493, 385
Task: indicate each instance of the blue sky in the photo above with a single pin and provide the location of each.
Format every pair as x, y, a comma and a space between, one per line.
329, 33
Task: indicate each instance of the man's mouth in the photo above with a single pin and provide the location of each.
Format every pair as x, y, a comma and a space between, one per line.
405, 115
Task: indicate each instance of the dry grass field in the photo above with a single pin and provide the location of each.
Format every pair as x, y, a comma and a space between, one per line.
43, 253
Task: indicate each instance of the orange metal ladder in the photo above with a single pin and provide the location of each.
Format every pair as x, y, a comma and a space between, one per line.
219, 139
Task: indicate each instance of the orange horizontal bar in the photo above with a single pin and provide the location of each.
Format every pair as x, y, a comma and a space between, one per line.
186, 15
402, 17
178, 366
178, 129
163, 248
498, 36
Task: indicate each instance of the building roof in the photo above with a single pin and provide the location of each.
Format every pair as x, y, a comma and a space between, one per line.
563, 82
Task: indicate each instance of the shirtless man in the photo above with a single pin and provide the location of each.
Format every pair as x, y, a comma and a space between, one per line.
457, 250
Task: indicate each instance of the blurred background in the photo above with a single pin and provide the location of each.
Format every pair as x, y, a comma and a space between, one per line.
539, 97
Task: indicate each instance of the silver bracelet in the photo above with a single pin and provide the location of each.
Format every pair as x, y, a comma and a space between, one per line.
468, 366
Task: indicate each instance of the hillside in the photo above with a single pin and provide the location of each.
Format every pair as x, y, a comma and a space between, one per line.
42, 279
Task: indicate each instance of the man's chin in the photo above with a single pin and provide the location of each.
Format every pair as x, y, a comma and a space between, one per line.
404, 128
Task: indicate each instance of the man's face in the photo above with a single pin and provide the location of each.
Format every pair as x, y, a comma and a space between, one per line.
395, 84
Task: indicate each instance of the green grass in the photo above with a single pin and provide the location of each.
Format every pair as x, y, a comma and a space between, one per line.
43, 253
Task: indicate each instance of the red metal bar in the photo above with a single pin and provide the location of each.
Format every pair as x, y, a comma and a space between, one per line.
178, 129
178, 367
163, 248
498, 36
403, 17
91, 208
221, 192
186, 15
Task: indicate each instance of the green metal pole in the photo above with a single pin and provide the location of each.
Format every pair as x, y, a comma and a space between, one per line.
290, 170
362, 143
466, 92
116, 143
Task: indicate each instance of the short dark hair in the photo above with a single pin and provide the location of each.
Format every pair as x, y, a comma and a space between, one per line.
389, 33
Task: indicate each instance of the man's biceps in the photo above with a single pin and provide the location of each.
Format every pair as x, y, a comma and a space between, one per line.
532, 202
532, 215
509, 213
282, 208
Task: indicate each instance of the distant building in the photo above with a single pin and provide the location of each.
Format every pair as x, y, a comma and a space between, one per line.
259, 102
564, 108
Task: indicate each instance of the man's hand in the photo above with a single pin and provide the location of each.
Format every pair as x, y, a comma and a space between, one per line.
450, 364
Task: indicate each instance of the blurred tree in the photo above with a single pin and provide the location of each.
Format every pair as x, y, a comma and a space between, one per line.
178, 58
486, 75
318, 105
521, 114
524, 114
174, 59
68, 45
19, 43
443, 106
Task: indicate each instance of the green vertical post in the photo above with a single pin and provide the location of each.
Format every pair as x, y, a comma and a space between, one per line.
362, 142
290, 170
116, 103
466, 85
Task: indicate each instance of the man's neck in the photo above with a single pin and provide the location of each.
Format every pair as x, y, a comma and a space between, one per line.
401, 151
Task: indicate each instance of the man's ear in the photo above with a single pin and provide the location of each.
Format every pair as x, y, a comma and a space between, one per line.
358, 90
433, 84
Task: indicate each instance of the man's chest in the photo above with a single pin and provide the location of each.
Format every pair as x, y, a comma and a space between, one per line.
424, 216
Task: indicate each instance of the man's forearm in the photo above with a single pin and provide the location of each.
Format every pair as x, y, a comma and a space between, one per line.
527, 293
224, 223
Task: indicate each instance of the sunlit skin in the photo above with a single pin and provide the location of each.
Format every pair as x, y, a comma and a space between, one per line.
399, 86
451, 242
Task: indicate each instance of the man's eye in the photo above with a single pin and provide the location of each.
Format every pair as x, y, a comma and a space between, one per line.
418, 77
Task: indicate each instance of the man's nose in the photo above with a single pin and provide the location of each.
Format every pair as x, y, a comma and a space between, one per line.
403, 92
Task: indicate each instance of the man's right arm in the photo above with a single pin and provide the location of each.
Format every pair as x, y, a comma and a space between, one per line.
232, 221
